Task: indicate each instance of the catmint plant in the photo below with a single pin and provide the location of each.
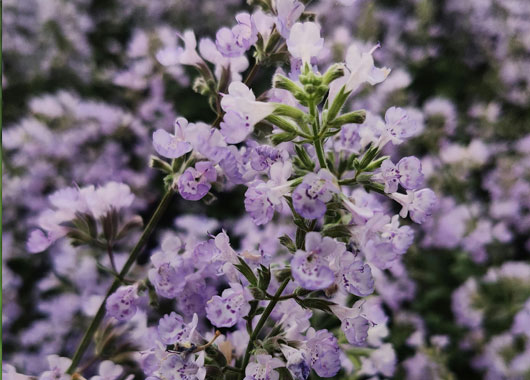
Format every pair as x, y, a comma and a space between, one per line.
319, 193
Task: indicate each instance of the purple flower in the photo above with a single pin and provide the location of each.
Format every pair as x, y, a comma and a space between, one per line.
419, 204
175, 145
184, 56
38, 241
207, 141
401, 238
177, 367
258, 203
362, 69
310, 197
263, 157
324, 352
235, 166
236, 41
58, 367
399, 126
235, 127
242, 112
195, 183
356, 277
172, 329
407, 173
288, 13
108, 371
262, 368
122, 303
230, 308
356, 330
297, 362
382, 360
355, 322
309, 268
409, 169
164, 275
262, 199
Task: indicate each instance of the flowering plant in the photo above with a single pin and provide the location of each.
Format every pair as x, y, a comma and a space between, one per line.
320, 276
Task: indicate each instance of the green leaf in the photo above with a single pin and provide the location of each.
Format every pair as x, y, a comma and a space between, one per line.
300, 238
159, 164
288, 243
315, 303
285, 374
337, 231
246, 271
264, 277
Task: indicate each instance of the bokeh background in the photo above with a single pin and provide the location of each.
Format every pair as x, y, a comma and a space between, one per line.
83, 92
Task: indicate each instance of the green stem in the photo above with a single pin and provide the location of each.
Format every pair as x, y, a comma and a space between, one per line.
261, 323
320, 153
96, 321
317, 140
252, 73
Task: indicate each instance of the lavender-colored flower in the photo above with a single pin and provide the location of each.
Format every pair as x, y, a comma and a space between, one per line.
207, 141
108, 371
262, 199
288, 12
311, 196
355, 322
122, 304
235, 127
177, 367
164, 275
311, 272
382, 360
419, 204
236, 65
262, 157
297, 362
242, 112
362, 69
230, 308
38, 241
304, 41
195, 183
324, 352
399, 126
356, 277
262, 368
401, 237
236, 41
309, 268
172, 329
356, 330
407, 173
185, 56
175, 145
58, 366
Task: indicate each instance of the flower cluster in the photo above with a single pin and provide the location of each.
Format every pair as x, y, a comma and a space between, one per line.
317, 215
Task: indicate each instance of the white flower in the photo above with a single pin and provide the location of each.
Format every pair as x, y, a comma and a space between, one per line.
304, 41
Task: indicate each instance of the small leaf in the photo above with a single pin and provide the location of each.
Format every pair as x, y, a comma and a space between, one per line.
337, 231
288, 243
264, 277
246, 271
315, 303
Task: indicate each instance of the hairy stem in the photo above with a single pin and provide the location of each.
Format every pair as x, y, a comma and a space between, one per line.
96, 321
261, 323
